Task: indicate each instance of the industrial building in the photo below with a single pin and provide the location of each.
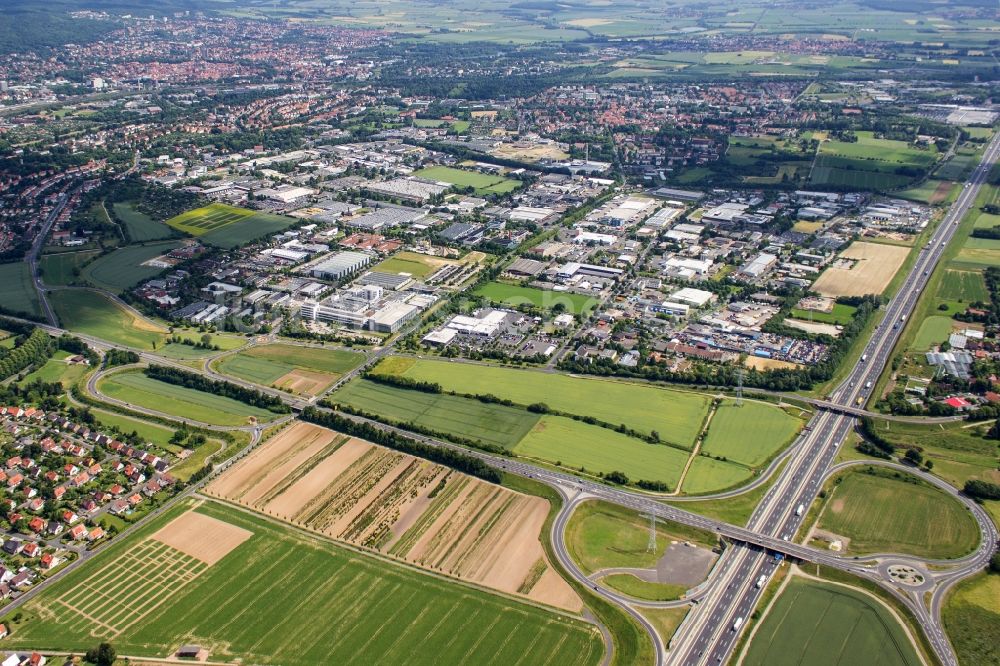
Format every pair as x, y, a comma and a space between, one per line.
340, 265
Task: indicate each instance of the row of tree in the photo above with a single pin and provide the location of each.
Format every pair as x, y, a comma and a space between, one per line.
32, 350
193, 380
448, 457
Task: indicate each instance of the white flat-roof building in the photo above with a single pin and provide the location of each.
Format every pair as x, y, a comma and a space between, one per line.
340, 264
696, 297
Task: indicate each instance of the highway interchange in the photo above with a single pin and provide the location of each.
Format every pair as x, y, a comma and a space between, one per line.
731, 594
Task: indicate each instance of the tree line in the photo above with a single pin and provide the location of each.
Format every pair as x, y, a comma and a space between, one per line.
448, 457
193, 380
33, 350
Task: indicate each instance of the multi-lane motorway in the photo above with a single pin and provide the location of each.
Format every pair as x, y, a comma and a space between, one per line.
712, 629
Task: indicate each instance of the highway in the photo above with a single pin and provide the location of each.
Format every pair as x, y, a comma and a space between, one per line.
711, 632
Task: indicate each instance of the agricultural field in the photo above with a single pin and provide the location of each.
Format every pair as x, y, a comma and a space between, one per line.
183, 352
872, 267
818, 622
126, 267
930, 191
558, 440
493, 424
63, 268
293, 368
227, 226
870, 163
971, 617
866, 510
424, 513
17, 289
964, 286
749, 434
512, 295
93, 313
135, 388
141, 227
460, 126
676, 415
481, 182
707, 475
226, 560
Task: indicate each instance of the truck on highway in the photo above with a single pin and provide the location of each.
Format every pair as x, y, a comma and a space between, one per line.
859, 401
761, 580
864, 357
868, 385
799, 509
902, 317
737, 623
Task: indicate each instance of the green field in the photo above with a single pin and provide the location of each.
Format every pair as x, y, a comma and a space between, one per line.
676, 415
483, 183
17, 290
463, 417
267, 364
135, 388
707, 475
62, 268
417, 265
841, 314
965, 286
228, 226
56, 369
933, 331
868, 163
972, 619
882, 514
122, 269
749, 434
574, 444
813, 622
140, 226
92, 313
513, 295
151, 432
601, 535
313, 603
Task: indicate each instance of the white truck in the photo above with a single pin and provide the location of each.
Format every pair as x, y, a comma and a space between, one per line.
761, 580
737, 623
799, 509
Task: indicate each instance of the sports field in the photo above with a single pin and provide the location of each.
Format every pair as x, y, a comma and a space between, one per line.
314, 603
17, 290
483, 183
296, 369
573, 444
814, 622
749, 434
93, 313
140, 226
881, 514
123, 268
490, 423
871, 268
228, 226
208, 218
416, 264
135, 388
676, 415
513, 295
60, 268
